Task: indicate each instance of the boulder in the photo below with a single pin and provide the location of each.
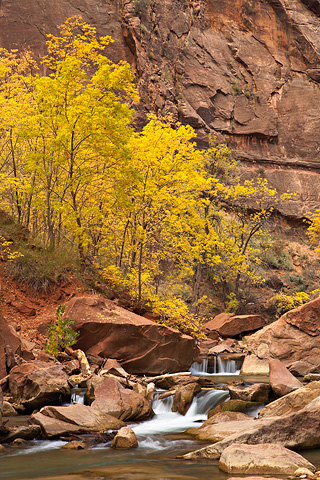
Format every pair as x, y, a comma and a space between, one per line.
258, 392
281, 380
59, 421
125, 439
112, 366
184, 396
140, 345
232, 406
10, 346
229, 325
88, 418
215, 432
293, 402
35, 384
300, 430
9, 410
74, 445
112, 398
266, 459
25, 432
252, 365
292, 338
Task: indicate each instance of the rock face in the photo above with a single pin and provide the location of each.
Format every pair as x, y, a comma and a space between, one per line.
262, 459
294, 337
229, 325
281, 380
247, 71
35, 384
113, 399
140, 345
10, 345
184, 396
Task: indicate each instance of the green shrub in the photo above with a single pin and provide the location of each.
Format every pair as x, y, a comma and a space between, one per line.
60, 333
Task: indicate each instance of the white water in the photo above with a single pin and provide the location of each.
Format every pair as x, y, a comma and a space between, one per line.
166, 421
219, 367
77, 395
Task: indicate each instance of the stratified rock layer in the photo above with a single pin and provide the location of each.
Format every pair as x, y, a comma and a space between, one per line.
140, 345
247, 71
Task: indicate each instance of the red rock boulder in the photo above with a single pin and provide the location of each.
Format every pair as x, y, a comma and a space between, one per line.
113, 399
281, 380
140, 345
35, 384
293, 338
10, 345
230, 325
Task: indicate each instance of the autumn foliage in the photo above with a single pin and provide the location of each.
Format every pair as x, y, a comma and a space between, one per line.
148, 209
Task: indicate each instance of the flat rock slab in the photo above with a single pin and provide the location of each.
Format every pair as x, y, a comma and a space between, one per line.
229, 325
262, 459
293, 402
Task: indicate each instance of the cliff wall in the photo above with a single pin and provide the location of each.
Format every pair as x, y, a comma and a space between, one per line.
246, 71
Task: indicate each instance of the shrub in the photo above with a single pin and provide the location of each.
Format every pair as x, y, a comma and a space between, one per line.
285, 303
60, 333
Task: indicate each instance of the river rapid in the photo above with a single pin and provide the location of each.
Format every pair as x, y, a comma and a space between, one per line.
161, 440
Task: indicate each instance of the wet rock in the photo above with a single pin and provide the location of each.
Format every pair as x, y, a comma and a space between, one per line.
262, 459
74, 445
229, 325
125, 439
26, 432
184, 396
35, 384
258, 392
281, 380
300, 430
292, 338
112, 398
104, 329
293, 402
63, 421
232, 406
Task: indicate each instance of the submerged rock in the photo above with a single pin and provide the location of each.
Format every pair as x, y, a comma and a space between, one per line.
140, 345
262, 459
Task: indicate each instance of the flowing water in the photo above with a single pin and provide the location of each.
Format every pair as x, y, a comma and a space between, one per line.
217, 366
160, 441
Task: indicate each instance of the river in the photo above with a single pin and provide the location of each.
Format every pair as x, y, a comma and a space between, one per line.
160, 439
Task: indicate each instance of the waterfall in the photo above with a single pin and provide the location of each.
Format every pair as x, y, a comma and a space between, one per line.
216, 366
166, 421
78, 394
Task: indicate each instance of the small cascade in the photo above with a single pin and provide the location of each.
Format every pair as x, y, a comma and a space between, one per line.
216, 366
78, 395
166, 421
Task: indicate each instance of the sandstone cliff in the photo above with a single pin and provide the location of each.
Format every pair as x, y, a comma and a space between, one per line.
246, 71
